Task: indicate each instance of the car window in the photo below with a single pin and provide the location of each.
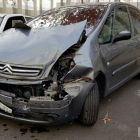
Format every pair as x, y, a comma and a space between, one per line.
122, 22
12, 21
1, 19
135, 17
15, 21
70, 15
106, 32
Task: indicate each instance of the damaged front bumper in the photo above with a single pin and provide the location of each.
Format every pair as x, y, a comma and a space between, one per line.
40, 111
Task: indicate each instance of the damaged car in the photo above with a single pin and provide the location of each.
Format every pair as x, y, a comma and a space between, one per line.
55, 67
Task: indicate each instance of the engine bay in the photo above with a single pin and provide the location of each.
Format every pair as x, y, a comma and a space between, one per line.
51, 89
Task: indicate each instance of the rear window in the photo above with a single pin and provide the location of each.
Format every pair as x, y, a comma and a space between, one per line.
1, 19
70, 15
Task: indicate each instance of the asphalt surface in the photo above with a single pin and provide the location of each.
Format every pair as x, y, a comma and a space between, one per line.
122, 107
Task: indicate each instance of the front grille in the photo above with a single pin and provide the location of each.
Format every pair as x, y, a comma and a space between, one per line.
19, 70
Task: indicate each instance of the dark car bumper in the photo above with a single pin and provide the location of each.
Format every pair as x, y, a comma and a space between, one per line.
46, 112
58, 113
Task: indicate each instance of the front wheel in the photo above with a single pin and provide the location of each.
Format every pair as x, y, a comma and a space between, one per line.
90, 108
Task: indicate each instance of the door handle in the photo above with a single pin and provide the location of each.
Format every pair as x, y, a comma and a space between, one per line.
108, 63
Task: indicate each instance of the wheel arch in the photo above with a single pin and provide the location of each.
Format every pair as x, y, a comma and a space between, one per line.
101, 81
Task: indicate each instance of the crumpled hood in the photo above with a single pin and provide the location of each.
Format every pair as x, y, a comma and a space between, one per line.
38, 46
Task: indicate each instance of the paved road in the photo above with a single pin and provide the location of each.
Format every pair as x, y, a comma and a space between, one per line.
123, 107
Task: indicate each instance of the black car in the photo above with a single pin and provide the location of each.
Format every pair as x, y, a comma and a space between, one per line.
54, 68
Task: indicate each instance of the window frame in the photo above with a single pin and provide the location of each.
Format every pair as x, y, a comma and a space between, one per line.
111, 29
131, 18
1, 20
14, 18
115, 10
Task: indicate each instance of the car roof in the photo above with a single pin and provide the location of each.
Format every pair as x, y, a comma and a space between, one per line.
2, 15
29, 16
10, 15
96, 4
83, 5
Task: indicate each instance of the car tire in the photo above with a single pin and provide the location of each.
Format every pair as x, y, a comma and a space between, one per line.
89, 113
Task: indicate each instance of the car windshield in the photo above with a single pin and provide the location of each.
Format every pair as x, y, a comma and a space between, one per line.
70, 15
1, 19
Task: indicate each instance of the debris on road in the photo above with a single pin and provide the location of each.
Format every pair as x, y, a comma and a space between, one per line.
105, 119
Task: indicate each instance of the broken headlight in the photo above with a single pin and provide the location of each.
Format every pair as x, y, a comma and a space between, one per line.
72, 89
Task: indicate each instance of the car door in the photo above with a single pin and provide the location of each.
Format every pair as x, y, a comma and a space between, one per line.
135, 18
118, 57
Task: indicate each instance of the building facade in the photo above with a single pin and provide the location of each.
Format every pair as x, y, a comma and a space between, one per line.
35, 7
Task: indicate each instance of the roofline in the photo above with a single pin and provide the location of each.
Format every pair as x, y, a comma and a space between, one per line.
9, 15
97, 3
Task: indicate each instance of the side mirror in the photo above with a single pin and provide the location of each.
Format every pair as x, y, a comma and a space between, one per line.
123, 35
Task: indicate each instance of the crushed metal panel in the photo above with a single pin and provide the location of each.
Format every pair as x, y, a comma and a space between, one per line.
77, 72
38, 46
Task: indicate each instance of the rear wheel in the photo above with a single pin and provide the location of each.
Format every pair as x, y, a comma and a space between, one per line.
90, 108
